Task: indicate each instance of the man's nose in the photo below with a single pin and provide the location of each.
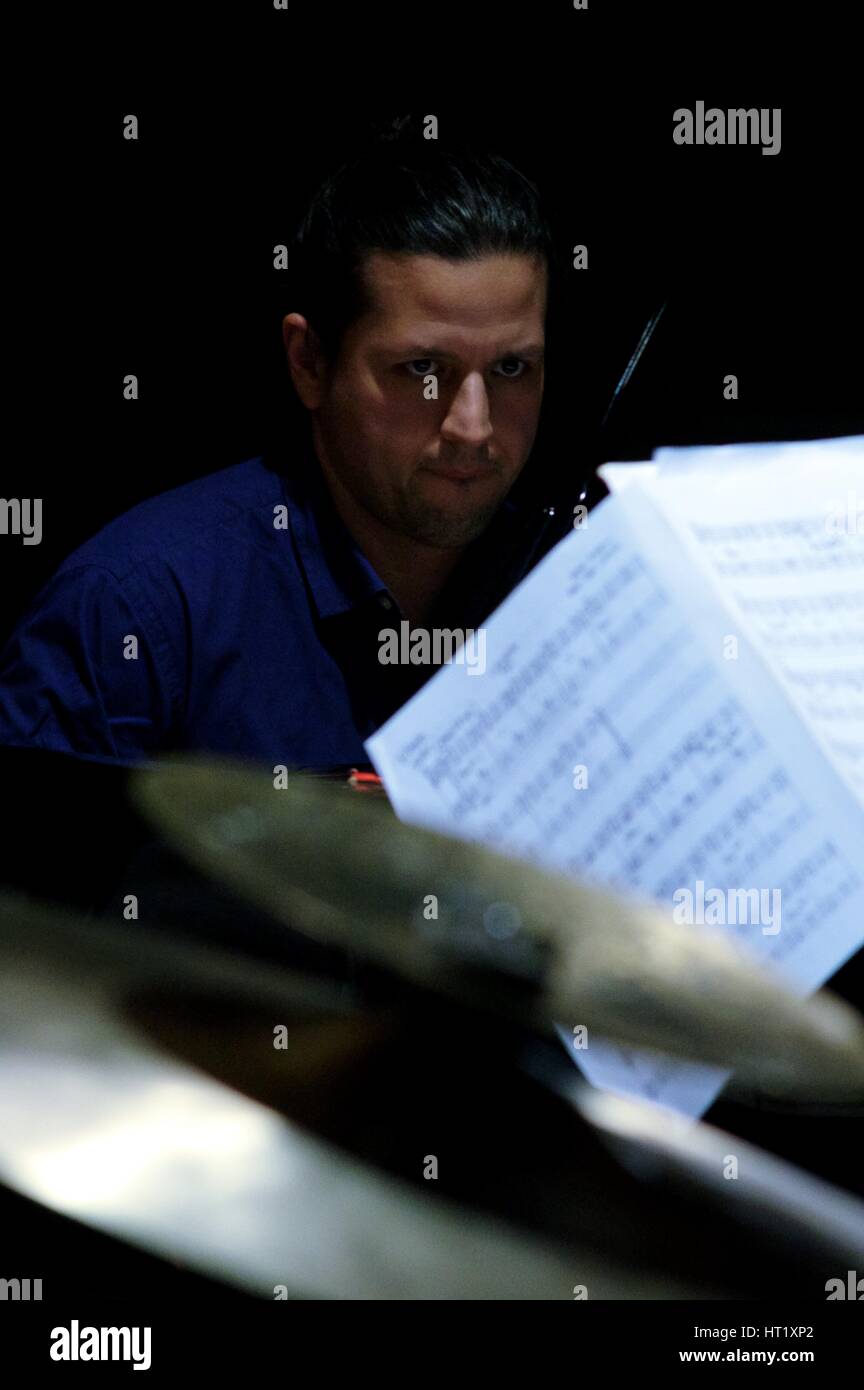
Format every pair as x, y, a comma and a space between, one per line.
468, 420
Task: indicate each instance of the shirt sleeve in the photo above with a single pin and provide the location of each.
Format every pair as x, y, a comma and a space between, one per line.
80, 673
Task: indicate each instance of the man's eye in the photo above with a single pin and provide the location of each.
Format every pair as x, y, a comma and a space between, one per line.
511, 368
517, 362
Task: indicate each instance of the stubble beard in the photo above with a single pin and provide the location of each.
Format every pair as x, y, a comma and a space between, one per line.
407, 513
440, 527
444, 528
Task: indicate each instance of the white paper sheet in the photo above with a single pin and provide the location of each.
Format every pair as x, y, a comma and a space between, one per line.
697, 768
791, 570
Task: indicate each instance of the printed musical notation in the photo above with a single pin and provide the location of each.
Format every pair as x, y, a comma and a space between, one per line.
596, 664
795, 579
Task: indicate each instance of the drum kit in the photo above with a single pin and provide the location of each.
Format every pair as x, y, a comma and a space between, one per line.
413, 1129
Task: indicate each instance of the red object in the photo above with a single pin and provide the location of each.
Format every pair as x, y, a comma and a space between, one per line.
358, 779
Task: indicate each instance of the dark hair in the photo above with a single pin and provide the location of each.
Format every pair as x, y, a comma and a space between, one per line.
403, 193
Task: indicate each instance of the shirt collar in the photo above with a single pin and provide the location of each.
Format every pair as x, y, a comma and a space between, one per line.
337, 572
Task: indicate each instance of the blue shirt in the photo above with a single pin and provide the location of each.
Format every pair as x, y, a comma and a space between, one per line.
234, 614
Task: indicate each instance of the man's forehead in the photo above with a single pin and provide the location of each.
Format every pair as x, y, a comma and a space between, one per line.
494, 289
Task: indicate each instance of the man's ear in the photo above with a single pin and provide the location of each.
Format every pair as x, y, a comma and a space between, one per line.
306, 360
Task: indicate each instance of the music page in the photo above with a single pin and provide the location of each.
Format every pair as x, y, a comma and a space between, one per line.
609, 737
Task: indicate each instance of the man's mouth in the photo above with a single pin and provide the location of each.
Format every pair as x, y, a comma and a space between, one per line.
462, 475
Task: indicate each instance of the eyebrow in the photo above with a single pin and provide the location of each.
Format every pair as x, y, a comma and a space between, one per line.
531, 352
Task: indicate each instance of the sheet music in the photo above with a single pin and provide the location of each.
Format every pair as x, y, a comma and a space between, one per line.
795, 454
594, 663
785, 454
618, 476
791, 570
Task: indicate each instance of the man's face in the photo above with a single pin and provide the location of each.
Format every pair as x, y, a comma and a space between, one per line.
437, 470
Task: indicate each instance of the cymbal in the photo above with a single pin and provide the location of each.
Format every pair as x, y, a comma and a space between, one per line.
758, 1190
102, 1118
498, 933
101, 1124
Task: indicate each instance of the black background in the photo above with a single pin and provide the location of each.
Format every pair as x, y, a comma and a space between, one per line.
156, 257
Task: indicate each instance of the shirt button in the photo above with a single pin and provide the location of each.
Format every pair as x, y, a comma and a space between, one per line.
385, 602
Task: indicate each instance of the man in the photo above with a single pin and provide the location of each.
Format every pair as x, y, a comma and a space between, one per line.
241, 613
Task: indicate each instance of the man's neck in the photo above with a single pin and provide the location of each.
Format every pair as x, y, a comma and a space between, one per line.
414, 573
